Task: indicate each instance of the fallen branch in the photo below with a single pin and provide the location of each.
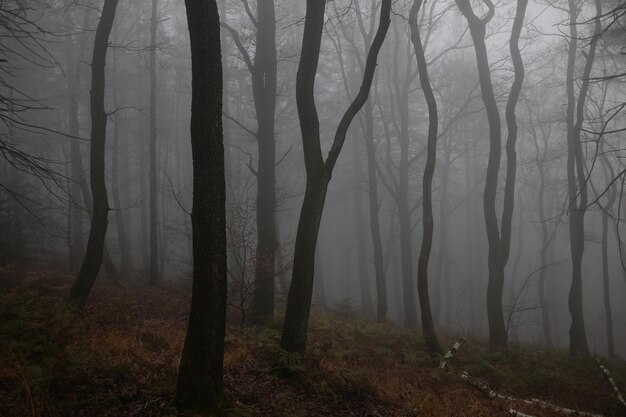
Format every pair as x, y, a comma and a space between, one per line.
558, 408
607, 375
491, 394
518, 413
476, 383
450, 354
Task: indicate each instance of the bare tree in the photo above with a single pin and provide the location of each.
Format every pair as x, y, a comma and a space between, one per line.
499, 240
318, 170
263, 72
100, 203
428, 327
576, 179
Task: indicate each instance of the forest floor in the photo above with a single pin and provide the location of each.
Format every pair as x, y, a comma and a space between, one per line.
119, 357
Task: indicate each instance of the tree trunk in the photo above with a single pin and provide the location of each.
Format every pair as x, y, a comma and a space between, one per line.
299, 299
499, 240
200, 378
264, 89
606, 287
99, 220
76, 175
318, 171
577, 190
497, 328
441, 268
154, 237
379, 268
428, 327
116, 184
117, 201
367, 309
546, 238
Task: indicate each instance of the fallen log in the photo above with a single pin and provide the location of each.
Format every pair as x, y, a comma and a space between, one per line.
450, 354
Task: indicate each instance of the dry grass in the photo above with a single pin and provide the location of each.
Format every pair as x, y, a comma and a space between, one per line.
120, 357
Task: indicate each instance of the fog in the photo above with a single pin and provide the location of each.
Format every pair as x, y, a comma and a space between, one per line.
45, 158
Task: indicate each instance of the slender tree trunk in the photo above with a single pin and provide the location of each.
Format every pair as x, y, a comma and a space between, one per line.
117, 201
499, 240
264, 89
473, 283
116, 183
606, 287
541, 160
75, 212
200, 377
154, 237
379, 268
428, 327
367, 309
497, 328
318, 171
577, 190
263, 73
99, 220
609, 175
440, 274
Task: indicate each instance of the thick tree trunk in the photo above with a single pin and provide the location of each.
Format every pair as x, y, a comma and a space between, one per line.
99, 220
154, 276
200, 378
428, 327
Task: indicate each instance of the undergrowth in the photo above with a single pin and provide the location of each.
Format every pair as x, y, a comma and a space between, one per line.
120, 358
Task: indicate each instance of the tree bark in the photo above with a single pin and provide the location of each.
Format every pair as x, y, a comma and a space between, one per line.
200, 378
99, 220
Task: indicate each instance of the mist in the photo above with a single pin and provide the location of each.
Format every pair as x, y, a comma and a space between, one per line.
440, 169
